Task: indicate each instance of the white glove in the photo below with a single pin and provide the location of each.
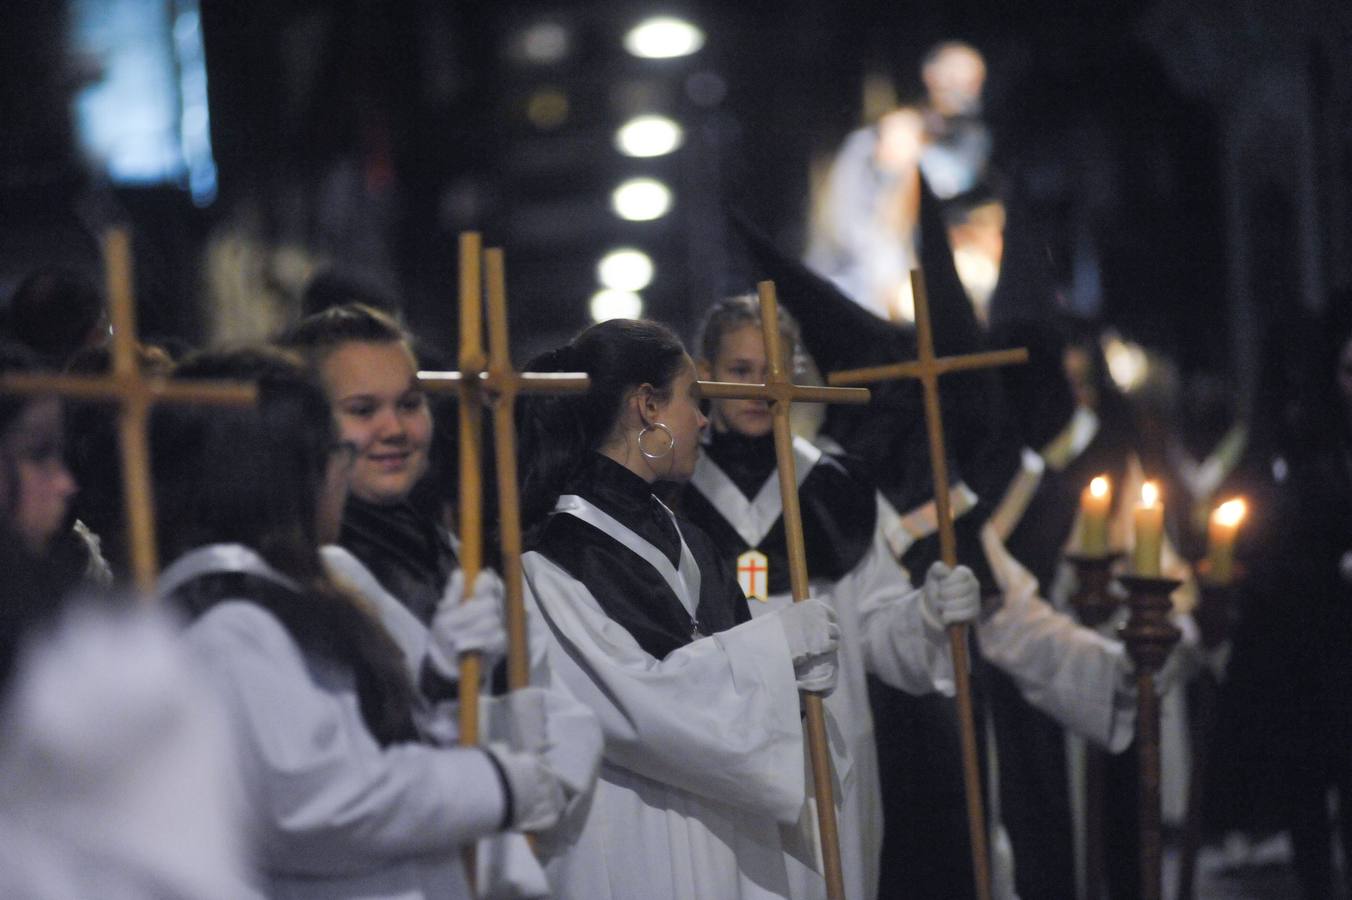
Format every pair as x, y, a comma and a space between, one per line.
813, 636
810, 628
472, 625
527, 720
537, 795
951, 596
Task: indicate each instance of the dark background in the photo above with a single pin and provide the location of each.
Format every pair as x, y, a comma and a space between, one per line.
1187, 163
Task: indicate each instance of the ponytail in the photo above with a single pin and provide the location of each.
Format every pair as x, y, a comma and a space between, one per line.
557, 434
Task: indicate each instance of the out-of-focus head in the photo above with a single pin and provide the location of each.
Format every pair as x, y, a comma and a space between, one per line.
365, 361
57, 312
258, 475
36, 488
954, 73
732, 348
901, 140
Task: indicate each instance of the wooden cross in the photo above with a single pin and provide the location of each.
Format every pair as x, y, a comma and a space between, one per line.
781, 392
490, 378
927, 369
135, 395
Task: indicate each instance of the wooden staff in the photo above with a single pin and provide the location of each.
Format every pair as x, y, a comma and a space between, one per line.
781, 392
490, 378
135, 395
1094, 605
1149, 636
927, 369
503, 385
479, 379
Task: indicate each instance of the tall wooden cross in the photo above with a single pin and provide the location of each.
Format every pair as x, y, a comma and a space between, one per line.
781, 392
927, 368
490, 379
134, 394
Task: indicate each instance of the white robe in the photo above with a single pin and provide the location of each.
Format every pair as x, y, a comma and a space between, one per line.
507, 868
882, 632
703, 755
336, 815
116, 778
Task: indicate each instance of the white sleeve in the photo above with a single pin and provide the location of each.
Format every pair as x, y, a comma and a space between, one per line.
329, 799
718, 717
897, 646
1070, 672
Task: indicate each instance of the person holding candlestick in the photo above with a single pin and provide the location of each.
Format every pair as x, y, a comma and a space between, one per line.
1045, 674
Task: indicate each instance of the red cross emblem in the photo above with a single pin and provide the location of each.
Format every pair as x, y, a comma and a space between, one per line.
753, 574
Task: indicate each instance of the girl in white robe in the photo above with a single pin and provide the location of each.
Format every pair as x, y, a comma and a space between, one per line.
345, 797
698, 703
885, 631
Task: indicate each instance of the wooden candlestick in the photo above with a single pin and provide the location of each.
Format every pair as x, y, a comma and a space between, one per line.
1149, 636
1215, 617
1094, 604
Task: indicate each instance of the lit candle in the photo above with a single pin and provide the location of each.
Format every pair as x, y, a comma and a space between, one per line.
1148, 518
1220, 554
1094, 502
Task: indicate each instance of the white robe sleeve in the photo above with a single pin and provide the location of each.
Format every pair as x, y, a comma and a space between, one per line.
718, 717
329, 799
1070, 672
897, 646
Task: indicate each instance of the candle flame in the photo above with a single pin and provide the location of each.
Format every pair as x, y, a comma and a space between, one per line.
1150, 494
1099, 486
1231, 512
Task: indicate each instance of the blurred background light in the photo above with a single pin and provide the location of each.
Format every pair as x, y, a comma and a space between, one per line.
625, 269
641, 199
547, 108
542, 44
609, 303
645, 136
663, 37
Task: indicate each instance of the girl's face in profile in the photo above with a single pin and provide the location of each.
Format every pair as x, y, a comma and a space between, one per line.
681, 414
35, 485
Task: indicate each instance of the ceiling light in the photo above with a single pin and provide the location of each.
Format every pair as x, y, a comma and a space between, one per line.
625, 269
648, 136
663, 37
641, 200
612, 304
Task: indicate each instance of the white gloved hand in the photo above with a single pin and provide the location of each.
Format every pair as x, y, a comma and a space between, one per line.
818, 673
527, 720
951, 596
468, 625
813, 635
537, 795
810, 628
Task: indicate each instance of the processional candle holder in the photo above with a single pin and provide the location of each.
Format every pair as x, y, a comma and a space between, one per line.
1149, 636
1094, 603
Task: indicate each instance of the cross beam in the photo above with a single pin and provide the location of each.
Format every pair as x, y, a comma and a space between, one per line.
134, 395
927, 370
781, 393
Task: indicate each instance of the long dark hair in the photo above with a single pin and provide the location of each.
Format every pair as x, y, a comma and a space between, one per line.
33, 586
253, 476
319, 334
557, 434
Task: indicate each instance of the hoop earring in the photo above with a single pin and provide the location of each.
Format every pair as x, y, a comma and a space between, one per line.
671, 441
